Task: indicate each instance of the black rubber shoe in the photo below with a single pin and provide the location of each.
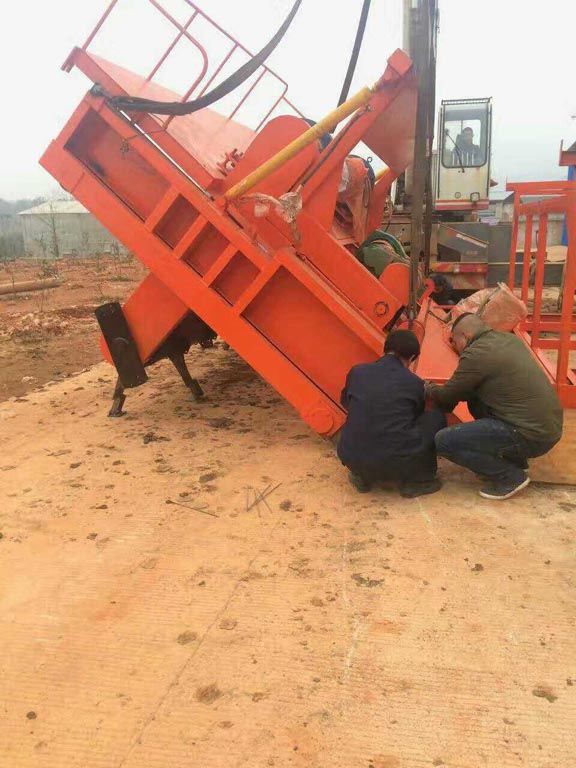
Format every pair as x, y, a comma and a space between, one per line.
501, 491
413, 490
359, 483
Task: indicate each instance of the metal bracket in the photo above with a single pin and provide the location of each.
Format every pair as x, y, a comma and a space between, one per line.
121, 344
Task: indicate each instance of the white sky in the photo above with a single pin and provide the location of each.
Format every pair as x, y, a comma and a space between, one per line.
518, 52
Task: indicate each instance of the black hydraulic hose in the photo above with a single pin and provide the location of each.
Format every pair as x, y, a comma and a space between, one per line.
355, 52
136, 104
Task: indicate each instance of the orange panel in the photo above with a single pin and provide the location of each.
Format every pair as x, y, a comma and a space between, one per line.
122, 169
307, 332
391, 136
205, 250
235, 278
176, 221
437, 361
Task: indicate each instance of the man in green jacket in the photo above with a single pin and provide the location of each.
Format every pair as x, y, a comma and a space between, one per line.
516, 410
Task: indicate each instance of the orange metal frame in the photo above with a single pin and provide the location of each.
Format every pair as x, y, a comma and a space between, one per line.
183, 32
559, 328
291, 299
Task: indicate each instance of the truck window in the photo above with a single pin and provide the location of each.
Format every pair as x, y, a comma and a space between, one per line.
464, 142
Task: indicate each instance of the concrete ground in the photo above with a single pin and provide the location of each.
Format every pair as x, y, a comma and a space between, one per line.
318, 628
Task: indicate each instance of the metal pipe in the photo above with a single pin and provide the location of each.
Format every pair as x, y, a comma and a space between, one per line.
247, 94
323, 126
422, 17
171, 47
29, 285
98, 26
217, 70
568, 291
514, 244
292, 106
539, 278
237, 43
272, 108
527, 258
194, 42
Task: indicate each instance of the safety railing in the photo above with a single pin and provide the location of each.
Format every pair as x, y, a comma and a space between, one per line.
198, 87
547, 330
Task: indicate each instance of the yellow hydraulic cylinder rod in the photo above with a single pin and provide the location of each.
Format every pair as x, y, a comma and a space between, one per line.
323, 126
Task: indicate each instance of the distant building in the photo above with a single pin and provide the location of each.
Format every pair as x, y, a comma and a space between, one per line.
10, 224
11, 240
65, 228
501, 205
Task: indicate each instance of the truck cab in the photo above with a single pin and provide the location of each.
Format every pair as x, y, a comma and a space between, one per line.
470, 251
462, 174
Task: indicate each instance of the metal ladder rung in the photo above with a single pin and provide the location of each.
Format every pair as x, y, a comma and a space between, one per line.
161, 209
255, 287
188, 239
221, 262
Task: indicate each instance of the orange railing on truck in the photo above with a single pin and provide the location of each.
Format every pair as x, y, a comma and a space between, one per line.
547, 331
184, 31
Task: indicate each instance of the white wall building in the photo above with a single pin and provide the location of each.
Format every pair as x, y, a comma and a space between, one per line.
65, 228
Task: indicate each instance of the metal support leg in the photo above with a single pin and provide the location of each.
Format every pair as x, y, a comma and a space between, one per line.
179, 363
118, 400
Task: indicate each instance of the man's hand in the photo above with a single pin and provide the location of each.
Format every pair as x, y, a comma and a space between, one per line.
429, 387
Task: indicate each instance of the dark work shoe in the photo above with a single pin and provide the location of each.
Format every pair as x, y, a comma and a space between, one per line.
504, 490
359, 483
411, 490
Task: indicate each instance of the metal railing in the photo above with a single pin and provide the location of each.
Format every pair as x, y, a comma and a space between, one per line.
558, 328
183, 32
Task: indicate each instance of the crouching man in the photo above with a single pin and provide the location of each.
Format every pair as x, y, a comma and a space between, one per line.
387, 435
517, 412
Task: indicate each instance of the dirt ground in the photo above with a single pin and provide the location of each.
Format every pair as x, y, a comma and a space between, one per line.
49, 334
316, 628
155, 610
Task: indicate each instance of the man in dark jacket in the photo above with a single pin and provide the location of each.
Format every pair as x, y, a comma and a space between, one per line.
387, 435
516, 410
467, 153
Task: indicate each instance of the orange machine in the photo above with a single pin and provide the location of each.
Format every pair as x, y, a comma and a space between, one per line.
252, 233
242, 227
